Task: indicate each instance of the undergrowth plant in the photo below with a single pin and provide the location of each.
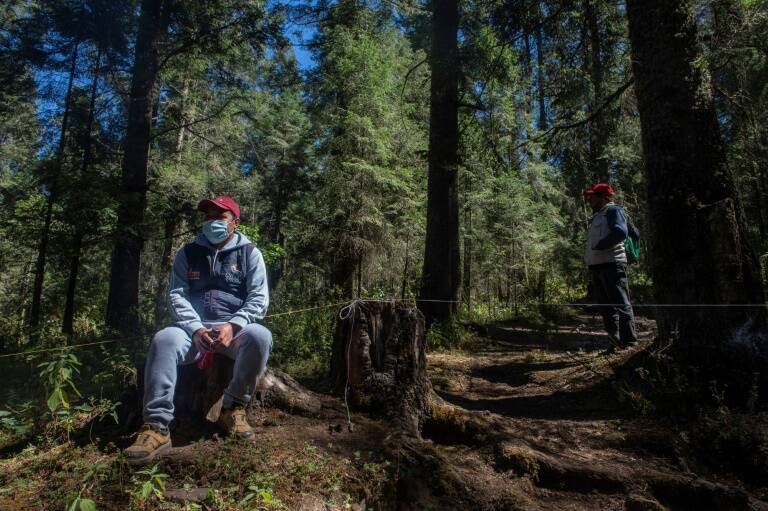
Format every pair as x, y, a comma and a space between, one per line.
80, 503
58, 376
148, 483
703, 427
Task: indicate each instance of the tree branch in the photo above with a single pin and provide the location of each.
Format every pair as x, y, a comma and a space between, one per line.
591, 117
189, 124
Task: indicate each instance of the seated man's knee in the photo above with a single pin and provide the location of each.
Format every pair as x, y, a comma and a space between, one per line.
258, 335
168, 339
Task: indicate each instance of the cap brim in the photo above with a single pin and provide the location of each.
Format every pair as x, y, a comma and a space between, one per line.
205, 203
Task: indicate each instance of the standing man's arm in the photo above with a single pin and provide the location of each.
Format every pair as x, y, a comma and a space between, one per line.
181, 309
617, 225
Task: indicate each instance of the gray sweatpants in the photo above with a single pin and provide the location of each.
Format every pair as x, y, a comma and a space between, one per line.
172, 347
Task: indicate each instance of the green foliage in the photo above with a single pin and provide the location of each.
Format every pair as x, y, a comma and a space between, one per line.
450, 335
149, 483
91, 477
58, 375
251, 232
16, 422
303, 341
260, 492
81, 504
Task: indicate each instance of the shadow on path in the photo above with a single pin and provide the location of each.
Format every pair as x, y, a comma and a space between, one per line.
592, 403
517, 374
516, 339
569, 390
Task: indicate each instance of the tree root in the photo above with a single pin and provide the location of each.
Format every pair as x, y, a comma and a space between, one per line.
278, 390
675, 490
448, 424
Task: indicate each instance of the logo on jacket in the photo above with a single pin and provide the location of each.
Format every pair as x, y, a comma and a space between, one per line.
192, 275
232, 274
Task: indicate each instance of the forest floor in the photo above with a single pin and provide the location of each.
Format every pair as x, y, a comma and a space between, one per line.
563, 441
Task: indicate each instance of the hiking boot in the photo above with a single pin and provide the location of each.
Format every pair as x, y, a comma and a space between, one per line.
613, 345
150, 444
233, 421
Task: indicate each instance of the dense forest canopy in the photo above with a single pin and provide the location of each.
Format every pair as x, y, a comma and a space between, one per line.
326, 121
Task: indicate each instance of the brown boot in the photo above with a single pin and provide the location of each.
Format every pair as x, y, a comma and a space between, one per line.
233, 421
150, 444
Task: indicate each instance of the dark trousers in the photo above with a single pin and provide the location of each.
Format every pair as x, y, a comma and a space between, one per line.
610, 290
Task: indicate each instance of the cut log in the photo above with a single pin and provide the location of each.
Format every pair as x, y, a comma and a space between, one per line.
378, 363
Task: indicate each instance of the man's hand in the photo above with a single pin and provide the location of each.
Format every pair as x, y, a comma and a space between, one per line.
203, 339
226, 333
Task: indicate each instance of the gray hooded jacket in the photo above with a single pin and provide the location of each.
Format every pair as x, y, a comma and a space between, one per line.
216, 286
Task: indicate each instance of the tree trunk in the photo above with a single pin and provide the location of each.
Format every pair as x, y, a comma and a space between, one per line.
467, 273
542, 121
171, 222
404, 285
441, 273
700, 250
379, 365
74, 266
42, 249
67, 325
123, 301
598, 134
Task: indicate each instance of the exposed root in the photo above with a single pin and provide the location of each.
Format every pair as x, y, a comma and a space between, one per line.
448, 424
674, 490
557, 473
691, 492
278, 390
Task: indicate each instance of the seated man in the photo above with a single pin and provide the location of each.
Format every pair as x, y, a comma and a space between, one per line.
218, 292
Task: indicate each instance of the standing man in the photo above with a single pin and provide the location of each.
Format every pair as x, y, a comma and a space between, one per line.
606, 261
217, 294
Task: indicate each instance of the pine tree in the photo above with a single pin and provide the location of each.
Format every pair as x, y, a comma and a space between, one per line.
441, 274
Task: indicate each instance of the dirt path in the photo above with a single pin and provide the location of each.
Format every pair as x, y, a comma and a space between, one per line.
568, 444
554, 437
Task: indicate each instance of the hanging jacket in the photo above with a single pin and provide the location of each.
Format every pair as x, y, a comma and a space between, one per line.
210, 285
606, 235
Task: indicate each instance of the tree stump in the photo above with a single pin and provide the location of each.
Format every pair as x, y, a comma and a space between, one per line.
200, 392
379, 362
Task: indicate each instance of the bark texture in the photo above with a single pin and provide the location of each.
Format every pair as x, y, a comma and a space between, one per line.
123, 301
379, 362
441, 275
700, 252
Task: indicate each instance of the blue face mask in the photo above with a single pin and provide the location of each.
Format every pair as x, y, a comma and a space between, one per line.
215, 230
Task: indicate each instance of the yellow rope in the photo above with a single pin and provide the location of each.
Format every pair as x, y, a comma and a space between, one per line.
73, 346
109, 341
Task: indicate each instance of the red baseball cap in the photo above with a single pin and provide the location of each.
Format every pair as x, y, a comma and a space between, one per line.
600, 189
224, 202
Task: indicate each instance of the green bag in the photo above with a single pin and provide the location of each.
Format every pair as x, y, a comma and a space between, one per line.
632, 243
